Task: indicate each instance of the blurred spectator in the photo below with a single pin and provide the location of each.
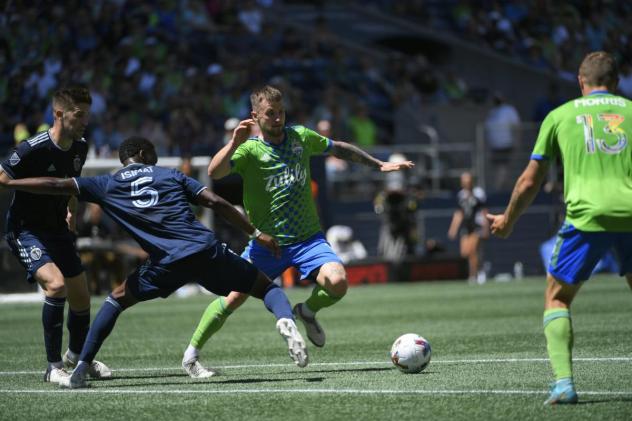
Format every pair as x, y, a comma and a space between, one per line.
344, 244
625, 79
501, 133
398, 208
362, 127
470, 223
548, 103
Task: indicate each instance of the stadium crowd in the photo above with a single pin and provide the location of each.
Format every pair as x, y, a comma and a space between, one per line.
542, 33
176, 70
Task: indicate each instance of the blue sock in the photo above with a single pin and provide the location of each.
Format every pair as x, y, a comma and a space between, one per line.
78, 325
276, 301
101, 328
53, 322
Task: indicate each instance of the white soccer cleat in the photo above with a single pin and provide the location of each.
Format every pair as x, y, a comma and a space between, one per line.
97, 369
55, 375
295, 342
195, 370
75, 381
315, 332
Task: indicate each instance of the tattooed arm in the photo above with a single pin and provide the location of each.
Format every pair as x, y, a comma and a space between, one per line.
352, 153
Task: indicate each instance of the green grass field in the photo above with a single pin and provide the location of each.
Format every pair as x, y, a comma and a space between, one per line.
489, 359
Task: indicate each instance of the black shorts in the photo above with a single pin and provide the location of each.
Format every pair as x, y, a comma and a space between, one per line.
34, 250
218, 269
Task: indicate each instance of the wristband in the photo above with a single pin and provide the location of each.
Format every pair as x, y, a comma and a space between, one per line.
255, 234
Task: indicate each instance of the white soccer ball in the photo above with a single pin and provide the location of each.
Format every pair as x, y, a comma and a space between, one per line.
410, 353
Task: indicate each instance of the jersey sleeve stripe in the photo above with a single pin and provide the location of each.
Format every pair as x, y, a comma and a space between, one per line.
2, 170
330, 144
201, 190
76, 184
538, 157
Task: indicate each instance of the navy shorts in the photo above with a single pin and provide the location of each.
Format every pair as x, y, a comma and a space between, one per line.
306, 256
34, 250
218, 269
576, 253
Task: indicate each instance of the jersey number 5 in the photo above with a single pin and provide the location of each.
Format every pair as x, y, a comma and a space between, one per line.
613, 121
138, 190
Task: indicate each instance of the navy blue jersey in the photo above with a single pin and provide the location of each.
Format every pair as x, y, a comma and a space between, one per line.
39, 156
152, 204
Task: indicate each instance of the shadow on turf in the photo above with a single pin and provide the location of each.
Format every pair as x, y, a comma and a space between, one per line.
212, 380
603, 400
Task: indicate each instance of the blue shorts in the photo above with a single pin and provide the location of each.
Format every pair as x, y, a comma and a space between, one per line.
34, 250
306, 256
218, 269
576, 252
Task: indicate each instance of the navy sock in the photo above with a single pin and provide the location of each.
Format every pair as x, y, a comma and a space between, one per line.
78, 325
101, 328
276, 301
53, 322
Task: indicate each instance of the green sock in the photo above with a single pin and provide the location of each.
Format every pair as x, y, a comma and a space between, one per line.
558, 330
212, 320
320, 298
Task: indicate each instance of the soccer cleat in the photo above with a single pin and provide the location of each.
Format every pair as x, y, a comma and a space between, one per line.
295, 342
315, 333
562, 392
75, 381
97, 369
54, 374
195, 370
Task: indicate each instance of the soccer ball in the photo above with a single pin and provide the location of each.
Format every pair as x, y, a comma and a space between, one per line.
411, 353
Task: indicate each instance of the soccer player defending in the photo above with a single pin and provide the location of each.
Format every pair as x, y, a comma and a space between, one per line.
589, 134
276, 172
152, 204
40, 229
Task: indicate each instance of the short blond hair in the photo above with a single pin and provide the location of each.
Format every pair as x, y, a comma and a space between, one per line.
267, 92
600, 69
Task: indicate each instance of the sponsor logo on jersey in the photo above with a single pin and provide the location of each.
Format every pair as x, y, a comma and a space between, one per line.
287, 177
76, 163
14, 159
35, 253
52, 168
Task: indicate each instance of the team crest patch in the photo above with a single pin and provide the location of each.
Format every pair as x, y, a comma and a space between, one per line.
76, 163
36, 253
14, 159
297, 149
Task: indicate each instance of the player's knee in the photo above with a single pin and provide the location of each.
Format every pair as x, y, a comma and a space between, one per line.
338, 285
55, 287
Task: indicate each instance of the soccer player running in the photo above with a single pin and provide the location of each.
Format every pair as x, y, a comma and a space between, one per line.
152, 204
276, 172
589, 134
40, 229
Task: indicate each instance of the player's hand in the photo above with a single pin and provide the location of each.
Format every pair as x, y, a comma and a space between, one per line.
270, 243
242, 131
499, 225
396, 166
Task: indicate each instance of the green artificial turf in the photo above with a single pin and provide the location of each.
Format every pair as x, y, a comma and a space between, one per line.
488, 362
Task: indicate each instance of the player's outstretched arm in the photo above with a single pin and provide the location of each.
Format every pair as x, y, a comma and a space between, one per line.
220, 164
210, 200
349, 152
44, 185
524, 192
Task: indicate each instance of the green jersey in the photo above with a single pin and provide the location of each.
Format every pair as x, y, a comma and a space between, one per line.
590, 136
277, 183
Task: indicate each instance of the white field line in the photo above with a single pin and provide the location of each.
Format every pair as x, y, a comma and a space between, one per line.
352, 363
307, 391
